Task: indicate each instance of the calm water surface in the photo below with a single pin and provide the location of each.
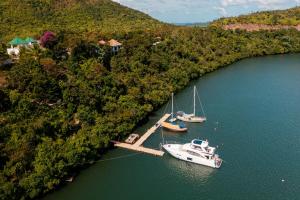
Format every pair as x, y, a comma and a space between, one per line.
253, 111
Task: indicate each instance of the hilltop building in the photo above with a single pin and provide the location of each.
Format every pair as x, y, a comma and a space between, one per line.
114, 44
102, 42
17, 43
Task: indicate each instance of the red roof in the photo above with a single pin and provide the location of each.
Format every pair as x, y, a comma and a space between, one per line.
113, 43
102, 42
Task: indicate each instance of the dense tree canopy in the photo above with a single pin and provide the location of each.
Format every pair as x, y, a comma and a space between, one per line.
80, 19
59, 112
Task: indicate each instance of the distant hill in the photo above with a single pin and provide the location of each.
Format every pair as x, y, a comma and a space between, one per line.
290, 17
197, 24
83, 17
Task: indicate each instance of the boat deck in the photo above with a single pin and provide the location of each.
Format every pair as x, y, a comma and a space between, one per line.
137, 146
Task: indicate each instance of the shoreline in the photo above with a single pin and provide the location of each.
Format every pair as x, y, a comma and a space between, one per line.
146, 120
108, 152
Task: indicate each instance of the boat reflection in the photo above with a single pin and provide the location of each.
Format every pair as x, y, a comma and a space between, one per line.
189, 170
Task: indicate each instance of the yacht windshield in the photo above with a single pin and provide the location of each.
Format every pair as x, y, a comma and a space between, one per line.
199, 142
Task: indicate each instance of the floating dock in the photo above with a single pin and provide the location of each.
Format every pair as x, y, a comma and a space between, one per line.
140, 149
137, 146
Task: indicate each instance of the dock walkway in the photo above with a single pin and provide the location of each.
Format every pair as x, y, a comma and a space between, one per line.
138, 145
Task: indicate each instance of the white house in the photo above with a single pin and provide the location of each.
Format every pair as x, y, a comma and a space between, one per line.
115, 45
17, 43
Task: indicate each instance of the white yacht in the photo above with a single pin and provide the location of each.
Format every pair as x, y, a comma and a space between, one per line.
198, 151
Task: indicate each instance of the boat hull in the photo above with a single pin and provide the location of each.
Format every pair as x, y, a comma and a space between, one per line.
174, 150
192, 119
173, 127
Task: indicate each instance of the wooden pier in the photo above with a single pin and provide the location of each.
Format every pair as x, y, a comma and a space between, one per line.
138, 145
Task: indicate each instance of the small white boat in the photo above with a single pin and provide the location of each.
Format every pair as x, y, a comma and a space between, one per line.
171, 124
191, 117
132, 138
198, 151
71, 179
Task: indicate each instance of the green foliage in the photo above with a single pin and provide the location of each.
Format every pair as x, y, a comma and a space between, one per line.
60, 112
3, 53
80, 19
83, 51
5, 102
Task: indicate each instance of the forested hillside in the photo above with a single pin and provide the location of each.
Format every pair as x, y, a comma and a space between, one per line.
59, 110
289, 17
81, 18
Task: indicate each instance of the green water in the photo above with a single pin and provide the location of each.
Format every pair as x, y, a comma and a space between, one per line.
253, 116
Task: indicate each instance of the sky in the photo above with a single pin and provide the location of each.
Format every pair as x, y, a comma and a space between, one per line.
191, 11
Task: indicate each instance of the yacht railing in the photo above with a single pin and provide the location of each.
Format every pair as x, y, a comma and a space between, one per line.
172, 142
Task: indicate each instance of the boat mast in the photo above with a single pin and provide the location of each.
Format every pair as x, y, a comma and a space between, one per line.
172, 106
194, 100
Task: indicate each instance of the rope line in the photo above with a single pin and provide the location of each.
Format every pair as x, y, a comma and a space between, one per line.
119, 157
200, 104
166, 107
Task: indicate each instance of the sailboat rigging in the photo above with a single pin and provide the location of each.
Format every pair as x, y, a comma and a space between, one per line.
192, 117
172, 125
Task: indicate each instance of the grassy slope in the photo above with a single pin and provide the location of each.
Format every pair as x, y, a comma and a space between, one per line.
277, 17
87, 18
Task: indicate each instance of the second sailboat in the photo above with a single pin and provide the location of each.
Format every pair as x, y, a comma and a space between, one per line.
192, 117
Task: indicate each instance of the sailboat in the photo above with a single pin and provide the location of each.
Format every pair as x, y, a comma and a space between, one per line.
171, 124
191, 117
